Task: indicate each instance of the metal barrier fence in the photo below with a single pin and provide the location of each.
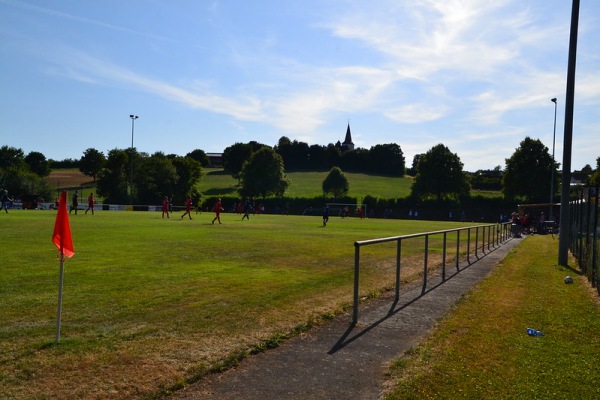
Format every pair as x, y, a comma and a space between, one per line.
478, 239
585, 232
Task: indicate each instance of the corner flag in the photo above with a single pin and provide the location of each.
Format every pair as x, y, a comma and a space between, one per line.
62, 230
64, 243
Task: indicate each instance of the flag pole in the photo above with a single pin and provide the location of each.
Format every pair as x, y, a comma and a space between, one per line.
60, 290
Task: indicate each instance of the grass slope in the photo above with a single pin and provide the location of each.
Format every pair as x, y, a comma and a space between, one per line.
482, 351
309, 184
149, 302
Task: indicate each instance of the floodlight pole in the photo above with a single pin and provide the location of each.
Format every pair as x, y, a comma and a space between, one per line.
563, 239
133, 118
553, 163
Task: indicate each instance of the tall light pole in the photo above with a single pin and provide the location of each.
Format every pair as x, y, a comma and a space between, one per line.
133, 118
553, 163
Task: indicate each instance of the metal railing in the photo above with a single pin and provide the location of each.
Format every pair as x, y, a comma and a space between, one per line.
585, 232
486, 238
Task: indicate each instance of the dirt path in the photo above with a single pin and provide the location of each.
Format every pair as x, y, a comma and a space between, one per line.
340, 361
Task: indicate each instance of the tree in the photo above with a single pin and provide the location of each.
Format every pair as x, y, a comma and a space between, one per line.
317, 156
91, 163
487, 179
200, 156
295, 154
112, 181
595, 177
38, 164
387, 159
263, 175
189, 172
17, 177
528, 171
11, 157
333, 155
158, 180
440, 173
356, 160
336, 183
412, 171
236, 155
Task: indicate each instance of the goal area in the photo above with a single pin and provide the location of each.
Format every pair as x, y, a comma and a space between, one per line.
340, 209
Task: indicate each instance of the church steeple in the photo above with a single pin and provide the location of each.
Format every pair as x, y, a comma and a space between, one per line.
347, 144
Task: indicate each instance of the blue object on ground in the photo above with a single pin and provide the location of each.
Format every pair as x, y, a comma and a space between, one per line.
533, 332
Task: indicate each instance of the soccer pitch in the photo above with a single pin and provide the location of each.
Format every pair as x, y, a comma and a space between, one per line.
149, 302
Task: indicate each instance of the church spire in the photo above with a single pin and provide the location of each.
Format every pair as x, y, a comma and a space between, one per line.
348, 145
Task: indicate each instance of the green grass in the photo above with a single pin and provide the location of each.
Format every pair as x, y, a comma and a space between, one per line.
481, 350
309, 184
149, 302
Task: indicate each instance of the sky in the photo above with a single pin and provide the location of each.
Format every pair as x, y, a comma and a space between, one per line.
474, 75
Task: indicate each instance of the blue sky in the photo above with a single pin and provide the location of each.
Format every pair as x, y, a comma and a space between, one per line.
475, 75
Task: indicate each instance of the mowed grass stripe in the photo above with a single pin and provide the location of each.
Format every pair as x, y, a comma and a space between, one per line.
481, 350
149, 301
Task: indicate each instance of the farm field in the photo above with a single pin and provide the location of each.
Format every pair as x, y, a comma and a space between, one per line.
68, 177
151, 302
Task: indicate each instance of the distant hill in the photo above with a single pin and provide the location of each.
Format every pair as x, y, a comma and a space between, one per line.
215, 182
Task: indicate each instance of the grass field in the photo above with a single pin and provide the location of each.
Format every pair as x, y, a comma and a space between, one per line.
481, 350
150, 302
309, 184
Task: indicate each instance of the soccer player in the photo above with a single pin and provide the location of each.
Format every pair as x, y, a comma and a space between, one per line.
246, 209
218, 207
188, 207
325, 215
165, 207
75, 201
90, 203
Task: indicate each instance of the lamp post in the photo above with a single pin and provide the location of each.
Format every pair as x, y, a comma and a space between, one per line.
553, 162
133, 118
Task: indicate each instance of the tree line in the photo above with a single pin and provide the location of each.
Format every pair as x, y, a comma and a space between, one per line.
128, 176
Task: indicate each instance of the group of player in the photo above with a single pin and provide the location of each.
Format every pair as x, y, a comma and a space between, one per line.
75, 203
167, 209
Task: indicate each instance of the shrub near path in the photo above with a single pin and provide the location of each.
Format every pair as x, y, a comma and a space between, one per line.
481, 350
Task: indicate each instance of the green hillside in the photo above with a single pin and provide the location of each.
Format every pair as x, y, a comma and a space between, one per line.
308, 184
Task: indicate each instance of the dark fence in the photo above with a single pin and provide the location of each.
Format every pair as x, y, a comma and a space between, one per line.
477, 241
585, 232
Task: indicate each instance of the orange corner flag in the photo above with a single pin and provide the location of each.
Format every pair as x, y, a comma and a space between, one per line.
62, 230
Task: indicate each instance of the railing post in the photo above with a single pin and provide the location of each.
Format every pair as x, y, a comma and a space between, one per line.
425, 269
457, 250
398, 260
476, 242
444, 259
356, 270
483, 240
469, 246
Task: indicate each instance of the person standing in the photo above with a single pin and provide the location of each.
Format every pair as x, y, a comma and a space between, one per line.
246, 210
165, 207
188, 207
5, 200
90, 203
75, 202
218, 207
325, 215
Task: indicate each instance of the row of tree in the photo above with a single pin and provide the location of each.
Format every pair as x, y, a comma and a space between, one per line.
22, 174
125, 175
382, 159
